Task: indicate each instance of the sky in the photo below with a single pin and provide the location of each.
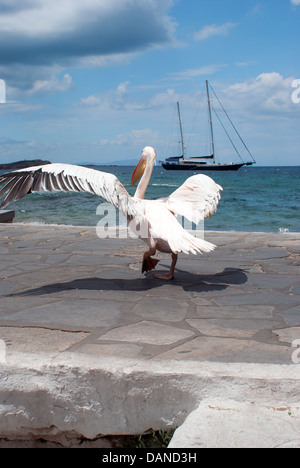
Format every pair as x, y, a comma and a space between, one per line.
96, 81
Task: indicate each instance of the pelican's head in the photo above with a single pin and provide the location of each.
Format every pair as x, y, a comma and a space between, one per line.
147, 159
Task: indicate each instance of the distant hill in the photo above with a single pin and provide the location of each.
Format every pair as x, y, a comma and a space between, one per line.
128, 162
23, 164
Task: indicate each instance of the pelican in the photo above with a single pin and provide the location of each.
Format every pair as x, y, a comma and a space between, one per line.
154, 221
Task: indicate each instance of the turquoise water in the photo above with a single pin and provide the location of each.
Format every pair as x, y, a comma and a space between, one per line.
257, 199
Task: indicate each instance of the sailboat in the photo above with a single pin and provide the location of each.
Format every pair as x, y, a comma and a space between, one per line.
206, 163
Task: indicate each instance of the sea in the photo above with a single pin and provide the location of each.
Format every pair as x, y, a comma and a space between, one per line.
254, 199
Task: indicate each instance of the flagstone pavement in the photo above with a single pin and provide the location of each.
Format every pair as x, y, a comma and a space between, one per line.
65, 294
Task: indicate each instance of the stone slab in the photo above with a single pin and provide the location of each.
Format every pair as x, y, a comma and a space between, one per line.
236, 312
148, 332
81, 315
237, 328
36, 341
165, 309
291, 315
107, 349
232, 424
288, 335
229, 349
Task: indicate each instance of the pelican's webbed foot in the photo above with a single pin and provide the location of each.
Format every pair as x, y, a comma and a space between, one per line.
164, 276
149, 264
170, 275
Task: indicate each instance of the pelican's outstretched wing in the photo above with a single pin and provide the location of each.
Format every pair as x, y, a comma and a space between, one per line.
66, 178
196, 199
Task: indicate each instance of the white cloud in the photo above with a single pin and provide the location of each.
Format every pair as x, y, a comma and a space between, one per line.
52, 85
114, 99
163, 99
41, 38
261, 107
245, 64
137, 138
121, 92
195, 72
268, 94
2, 92
91, 101
213, 30
121, 99
295, 2
56, 31
14, 150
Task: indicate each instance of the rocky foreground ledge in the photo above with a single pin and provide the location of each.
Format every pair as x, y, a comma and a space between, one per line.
91, 347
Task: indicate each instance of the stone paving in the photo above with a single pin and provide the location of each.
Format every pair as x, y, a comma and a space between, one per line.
64, 291
239, 304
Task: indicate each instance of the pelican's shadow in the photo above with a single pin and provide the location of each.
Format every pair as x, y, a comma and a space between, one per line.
188, 281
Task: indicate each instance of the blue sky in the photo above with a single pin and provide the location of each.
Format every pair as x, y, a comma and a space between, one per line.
98, 80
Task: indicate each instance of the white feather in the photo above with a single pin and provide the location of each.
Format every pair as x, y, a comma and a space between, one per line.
196, 199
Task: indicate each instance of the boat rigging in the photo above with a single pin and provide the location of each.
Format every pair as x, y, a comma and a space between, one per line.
207, 163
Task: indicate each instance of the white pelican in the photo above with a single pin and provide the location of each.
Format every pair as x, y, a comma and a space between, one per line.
153, 220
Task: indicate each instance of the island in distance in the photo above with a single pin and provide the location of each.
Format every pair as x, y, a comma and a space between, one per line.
23, 164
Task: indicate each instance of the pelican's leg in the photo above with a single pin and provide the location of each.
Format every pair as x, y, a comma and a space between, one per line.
148, 262
170, 274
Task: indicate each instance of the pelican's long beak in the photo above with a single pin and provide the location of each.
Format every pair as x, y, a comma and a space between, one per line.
138, 171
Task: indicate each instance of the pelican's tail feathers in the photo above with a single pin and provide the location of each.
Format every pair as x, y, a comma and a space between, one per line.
202, 246
198, 245
190, 244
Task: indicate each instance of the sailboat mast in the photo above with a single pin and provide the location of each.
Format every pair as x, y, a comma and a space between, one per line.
181, 132
210, 123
